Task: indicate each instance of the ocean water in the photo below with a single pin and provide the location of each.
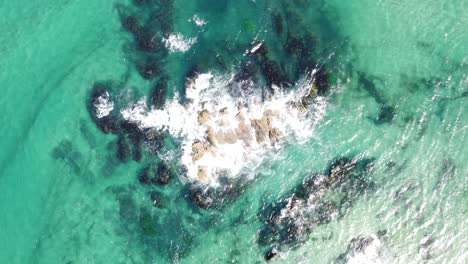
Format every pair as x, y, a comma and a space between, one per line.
396, 97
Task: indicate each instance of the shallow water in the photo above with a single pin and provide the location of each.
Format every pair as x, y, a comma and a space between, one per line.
398, 96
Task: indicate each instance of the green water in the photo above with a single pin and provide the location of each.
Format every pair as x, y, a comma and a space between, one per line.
87, 207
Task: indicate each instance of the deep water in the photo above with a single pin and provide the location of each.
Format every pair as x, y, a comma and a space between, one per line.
385, 166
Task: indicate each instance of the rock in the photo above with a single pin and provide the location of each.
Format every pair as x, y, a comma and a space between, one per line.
201, 199
263, 128
290, 220
203, 173
131, 24
203, 117
149, 68
164, 174
277, 22
123, 148
274, 135
148, 41
360, 244
426, 241
271, 255
259, 49
246, 71
158, 96
322, 80
152, 175
308, 99
199, 149
101, 108
386, 114
211, 136
274, 74
156, 199
145, 177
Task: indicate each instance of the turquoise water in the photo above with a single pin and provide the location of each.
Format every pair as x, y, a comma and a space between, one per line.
398, 95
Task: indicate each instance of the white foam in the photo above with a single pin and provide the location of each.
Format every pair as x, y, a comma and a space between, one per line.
198, 21
234, 153
176, 42
104, 105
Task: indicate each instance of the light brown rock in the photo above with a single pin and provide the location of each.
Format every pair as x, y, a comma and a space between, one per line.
203, 173
203, 117
199, 149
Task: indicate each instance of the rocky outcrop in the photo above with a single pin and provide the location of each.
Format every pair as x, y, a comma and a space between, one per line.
264, 130
289, 221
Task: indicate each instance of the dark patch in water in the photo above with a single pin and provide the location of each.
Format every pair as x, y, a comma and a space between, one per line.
87, 134
368, 84
158, 96
386, 114
317, 201
156, 199
123, 148
67, 152
156, 175
149, 68
210, 198
277, 22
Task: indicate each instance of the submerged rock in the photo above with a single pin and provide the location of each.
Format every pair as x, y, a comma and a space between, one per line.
123, 148
364, 249
290, 220
158, 96
155, 175
200, 198
271, 255
156, 199
149, 68
274, 74
386, 114
277, 22
164, 174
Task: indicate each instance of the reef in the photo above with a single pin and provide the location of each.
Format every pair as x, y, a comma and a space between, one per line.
321, 198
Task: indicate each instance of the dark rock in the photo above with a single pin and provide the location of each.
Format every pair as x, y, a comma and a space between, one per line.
148, 41
131, 24
246, 71
322, 80
147, 223
201, 199
381, 233
271, 255
386, 114
295, 46
277, 22
164, 174
158, 96
156, 199
290, 220
123, 148
109, 123
137, 155
360, 244
129, 127
259, 49
368, 84
274, 74
149, 68
145, 177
